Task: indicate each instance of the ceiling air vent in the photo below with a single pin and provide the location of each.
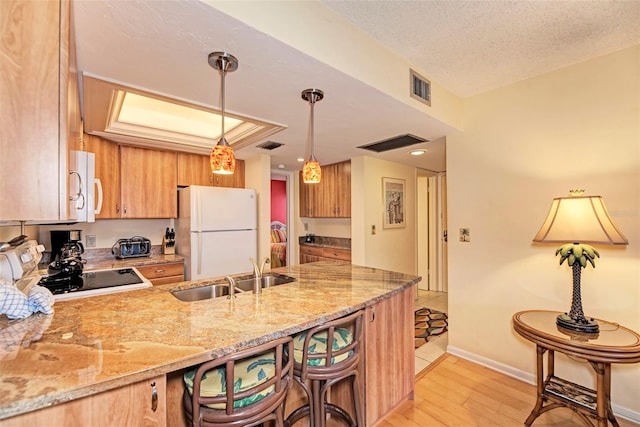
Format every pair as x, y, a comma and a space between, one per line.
270, 145
420, 88
393, 143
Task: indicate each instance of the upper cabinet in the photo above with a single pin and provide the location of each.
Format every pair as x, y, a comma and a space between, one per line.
331, 198
195, 169
39, 110
136, 182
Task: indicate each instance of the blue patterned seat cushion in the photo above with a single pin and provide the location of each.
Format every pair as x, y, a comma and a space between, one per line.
248, 373
318, 344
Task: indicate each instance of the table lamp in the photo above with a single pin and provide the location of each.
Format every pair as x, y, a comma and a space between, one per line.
575, 221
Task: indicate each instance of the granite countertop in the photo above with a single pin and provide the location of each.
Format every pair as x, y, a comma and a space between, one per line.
99, 343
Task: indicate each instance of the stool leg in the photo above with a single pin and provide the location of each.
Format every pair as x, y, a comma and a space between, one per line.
356, 400
317, 409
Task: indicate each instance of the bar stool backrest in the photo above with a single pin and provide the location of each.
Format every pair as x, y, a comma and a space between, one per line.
275, 387
339, 354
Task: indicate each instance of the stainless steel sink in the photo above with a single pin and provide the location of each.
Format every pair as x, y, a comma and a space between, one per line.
267, 280
220, 290
203, 292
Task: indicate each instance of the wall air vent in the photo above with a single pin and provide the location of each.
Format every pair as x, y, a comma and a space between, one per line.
393, 143
270, 145
420, 88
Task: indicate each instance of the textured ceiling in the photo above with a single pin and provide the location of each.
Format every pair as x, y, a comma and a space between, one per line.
473, 46
468, 47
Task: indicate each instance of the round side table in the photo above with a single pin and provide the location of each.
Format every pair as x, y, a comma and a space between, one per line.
613, 344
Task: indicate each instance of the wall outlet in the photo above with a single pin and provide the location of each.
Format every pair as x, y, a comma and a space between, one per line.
373, 229
91, 240
465, 234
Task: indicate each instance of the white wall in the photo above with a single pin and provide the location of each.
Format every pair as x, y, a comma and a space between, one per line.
524, 144
390, 248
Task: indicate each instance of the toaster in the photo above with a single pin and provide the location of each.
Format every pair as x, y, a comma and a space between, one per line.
132, 247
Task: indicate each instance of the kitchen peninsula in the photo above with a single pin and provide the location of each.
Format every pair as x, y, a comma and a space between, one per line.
119, 357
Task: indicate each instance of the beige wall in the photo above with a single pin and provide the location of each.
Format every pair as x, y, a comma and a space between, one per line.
289, 22
524, 144
258, 177
390, 249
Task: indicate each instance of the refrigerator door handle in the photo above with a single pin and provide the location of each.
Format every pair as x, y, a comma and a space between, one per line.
199, 266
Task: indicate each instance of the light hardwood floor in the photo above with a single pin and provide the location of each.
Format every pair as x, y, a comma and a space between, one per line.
454, 392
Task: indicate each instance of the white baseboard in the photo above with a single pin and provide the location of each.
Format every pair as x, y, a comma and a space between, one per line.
528, 378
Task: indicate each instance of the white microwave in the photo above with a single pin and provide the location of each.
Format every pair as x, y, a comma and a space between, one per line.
85, 195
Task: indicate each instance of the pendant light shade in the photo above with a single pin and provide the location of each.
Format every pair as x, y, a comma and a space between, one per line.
311, 172
223, 160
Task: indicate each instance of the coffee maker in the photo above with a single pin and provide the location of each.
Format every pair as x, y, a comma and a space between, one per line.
66, 244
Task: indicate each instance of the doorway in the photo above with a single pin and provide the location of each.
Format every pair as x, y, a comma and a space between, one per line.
281, 223
432, 231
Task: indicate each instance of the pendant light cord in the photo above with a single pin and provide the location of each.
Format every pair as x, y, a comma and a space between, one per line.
223, 69
311, 138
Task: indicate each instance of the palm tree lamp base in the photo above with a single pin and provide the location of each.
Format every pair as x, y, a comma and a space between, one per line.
589, 326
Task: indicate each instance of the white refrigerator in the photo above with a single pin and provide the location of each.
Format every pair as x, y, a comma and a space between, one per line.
216, 230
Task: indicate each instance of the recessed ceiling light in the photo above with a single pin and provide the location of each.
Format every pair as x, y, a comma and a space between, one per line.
280, 166
417, 152
300, 159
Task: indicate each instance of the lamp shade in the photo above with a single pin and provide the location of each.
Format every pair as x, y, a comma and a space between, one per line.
223, 160
582, 219
311, 172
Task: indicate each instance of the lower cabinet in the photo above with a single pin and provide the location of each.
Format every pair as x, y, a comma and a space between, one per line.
138, 404
311, 253
162, 274
389, 355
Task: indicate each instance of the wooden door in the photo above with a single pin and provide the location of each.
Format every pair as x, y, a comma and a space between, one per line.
108, 172
389, 355
311, 203
148, 183
194, 169
236, 180
30, 122
342, 194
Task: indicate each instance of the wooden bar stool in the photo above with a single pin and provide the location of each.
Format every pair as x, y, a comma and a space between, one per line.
324, 356
261, 377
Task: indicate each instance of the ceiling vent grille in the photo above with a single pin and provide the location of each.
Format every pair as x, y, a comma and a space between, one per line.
393, 143
270, 145
420, 88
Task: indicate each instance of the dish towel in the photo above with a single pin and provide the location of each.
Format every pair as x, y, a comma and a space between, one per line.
17, 305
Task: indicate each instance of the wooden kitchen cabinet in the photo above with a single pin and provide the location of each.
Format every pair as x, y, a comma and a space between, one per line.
129, 405
195, 169
310, 253
331, 198
108, 173
40, 120
164, 273
136, 182
389, 355
148, 183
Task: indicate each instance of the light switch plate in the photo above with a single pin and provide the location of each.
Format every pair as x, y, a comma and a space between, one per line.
91, 240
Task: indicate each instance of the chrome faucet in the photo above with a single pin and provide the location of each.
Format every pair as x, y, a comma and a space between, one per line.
258, 271
232, 287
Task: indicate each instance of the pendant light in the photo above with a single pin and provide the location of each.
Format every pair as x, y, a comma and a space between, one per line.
222, 159
311, 172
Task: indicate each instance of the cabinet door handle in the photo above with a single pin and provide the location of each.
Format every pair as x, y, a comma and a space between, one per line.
154, 397
159, 271
124, 208
373, 315
80, 194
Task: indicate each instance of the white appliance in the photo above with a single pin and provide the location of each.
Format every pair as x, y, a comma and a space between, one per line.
84, 187
216, 230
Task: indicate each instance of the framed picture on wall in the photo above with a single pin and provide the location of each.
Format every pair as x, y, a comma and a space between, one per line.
393, 197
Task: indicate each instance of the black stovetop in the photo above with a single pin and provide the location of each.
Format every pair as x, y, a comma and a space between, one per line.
90, 280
